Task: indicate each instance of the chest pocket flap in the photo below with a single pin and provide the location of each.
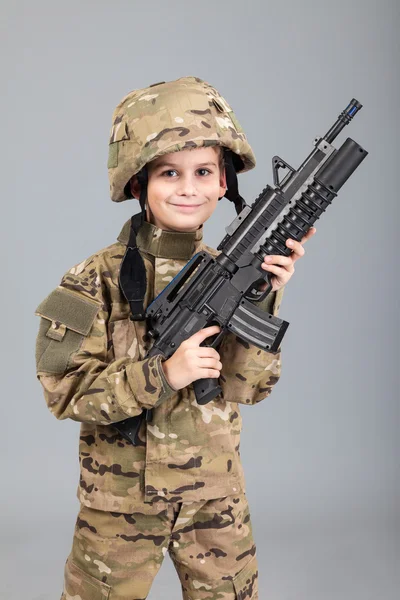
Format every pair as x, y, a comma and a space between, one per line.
66, 319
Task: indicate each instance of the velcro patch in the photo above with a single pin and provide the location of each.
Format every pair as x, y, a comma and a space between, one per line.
73, 311
66, 319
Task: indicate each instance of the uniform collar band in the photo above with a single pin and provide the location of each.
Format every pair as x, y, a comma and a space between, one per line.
164, 244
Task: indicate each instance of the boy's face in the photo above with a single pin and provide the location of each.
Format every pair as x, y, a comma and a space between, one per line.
183, 188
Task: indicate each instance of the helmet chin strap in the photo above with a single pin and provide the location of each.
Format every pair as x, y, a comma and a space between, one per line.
132, 275
143, 179
232, 190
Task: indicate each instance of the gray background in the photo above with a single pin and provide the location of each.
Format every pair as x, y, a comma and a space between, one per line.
321, 454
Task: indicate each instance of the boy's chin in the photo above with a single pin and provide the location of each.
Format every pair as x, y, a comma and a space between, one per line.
184, 225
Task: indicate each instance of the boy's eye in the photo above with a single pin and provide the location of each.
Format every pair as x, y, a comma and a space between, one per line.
172, 172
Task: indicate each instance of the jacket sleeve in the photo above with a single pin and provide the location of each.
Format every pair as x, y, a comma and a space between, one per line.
75, 361
248, 374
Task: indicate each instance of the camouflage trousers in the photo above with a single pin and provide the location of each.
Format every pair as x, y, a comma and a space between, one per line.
116, 556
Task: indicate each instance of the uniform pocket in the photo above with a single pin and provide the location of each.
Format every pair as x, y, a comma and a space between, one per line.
246, 581
78, 584
66, 319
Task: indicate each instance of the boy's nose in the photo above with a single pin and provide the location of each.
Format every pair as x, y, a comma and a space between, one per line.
187, 187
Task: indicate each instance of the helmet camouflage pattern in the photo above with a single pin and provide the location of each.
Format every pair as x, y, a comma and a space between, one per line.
167, 117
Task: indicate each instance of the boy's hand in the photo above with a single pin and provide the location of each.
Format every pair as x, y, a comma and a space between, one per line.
192, 361
282, 266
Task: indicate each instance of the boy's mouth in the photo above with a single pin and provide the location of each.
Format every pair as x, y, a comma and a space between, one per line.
187, 207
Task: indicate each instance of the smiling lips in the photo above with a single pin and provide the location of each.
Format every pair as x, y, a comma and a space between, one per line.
187, 207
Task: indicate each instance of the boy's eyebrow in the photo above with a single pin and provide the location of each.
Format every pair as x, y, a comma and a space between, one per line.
168, 164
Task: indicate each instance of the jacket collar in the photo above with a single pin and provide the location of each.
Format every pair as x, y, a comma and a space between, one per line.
164, 244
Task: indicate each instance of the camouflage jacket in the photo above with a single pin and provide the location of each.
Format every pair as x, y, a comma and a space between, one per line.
91, 363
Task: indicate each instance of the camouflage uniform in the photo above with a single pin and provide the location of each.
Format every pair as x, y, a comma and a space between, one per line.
90, 362
116, 556
182, 488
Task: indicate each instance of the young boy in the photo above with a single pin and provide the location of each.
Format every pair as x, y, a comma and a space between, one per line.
181, 490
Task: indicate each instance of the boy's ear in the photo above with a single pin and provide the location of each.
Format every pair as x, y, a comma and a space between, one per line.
135, 187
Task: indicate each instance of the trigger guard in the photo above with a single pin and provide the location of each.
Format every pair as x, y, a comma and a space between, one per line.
260, 297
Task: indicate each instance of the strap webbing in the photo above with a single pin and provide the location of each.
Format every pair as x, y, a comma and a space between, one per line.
232, 191
132, 275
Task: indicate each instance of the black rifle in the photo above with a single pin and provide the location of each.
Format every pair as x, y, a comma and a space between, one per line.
222, 291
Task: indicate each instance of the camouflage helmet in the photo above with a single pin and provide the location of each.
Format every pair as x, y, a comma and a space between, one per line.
167, 117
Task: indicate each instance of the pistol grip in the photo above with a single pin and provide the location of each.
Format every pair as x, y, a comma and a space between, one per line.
206, 390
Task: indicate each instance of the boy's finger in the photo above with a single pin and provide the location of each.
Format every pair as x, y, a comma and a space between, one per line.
296, 247
277, 259
208, 352
309, 234
201, 335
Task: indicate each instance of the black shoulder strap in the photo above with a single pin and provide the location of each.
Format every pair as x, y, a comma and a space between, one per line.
132, 275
